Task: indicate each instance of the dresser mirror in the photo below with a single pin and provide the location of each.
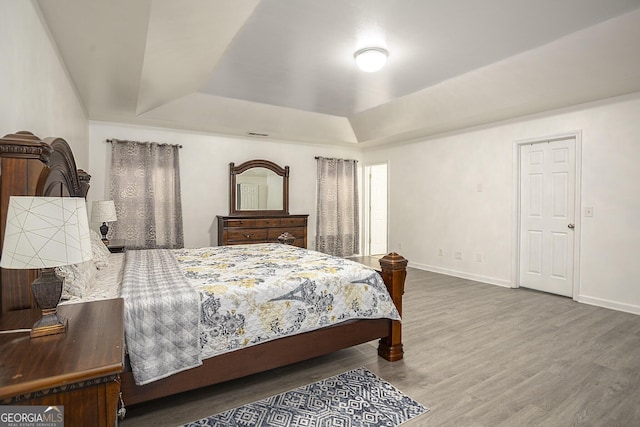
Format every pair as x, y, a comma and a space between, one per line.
258, 187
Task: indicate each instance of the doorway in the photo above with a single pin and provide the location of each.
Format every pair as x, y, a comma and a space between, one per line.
548, 210
375, 212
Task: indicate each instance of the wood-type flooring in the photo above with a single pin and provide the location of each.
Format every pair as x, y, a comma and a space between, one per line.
476, 355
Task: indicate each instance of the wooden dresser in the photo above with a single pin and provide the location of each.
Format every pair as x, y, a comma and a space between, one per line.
79, 369
237, 230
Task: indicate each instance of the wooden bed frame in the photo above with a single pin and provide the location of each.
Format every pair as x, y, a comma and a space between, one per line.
31, 166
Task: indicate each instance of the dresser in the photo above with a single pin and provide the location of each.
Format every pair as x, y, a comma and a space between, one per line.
237, 230
79, 369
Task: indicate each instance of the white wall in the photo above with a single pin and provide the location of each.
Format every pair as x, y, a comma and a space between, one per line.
435, 203
204, 170
36, 91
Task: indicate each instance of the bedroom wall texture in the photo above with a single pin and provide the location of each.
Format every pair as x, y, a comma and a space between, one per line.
38, 94
204, 170
435, 202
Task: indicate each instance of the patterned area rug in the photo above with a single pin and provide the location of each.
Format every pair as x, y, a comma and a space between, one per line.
357, 398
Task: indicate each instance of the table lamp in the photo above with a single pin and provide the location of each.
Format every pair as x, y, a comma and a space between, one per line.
103, 211
46, 232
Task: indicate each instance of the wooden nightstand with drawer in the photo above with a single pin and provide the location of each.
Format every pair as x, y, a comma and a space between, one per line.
237, 230
79, 369
116, 246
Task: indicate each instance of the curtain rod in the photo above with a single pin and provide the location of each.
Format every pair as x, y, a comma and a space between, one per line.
109, 140
333, 158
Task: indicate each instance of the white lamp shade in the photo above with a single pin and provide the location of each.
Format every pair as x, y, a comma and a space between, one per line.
103, 211
43, 232
371, 59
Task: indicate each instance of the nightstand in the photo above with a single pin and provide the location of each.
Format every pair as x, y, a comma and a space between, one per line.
116, 246
79, 369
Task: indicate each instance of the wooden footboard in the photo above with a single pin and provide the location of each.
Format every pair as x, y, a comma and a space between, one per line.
288, 350
394, 273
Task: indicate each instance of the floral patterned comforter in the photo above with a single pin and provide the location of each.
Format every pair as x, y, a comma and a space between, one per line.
256, 293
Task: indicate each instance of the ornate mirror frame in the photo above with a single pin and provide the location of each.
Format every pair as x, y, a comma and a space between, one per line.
237, 170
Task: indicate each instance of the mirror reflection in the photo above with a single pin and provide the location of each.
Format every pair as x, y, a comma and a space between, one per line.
259, 189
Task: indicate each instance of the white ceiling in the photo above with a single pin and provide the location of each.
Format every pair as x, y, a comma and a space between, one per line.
285, 67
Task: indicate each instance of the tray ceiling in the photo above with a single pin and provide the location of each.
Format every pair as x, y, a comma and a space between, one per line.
285, 67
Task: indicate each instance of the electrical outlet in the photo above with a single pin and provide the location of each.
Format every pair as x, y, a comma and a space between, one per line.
399, 245
478, 257
458, 255
440, 252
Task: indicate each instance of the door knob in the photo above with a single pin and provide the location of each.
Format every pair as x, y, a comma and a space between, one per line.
571, 226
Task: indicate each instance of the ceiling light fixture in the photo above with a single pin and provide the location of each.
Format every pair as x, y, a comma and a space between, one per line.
371, 59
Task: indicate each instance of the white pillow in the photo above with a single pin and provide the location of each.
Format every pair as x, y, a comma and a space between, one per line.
77, 278
100, 251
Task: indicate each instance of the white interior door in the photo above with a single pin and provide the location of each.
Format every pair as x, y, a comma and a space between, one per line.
377, 209
249, 196
547, 216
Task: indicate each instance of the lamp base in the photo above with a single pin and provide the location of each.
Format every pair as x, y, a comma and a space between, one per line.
104, 229
47, 290
49, 324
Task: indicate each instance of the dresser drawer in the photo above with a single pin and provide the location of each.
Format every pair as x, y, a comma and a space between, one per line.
293, 222
254, 223
263, 229
247, 234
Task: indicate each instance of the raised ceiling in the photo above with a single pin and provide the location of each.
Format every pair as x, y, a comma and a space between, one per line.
285, 67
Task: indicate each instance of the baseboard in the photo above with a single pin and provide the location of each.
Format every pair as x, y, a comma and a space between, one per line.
598, 302
613, 305
463, 275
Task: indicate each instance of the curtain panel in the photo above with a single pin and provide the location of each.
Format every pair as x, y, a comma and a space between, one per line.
145, 187
337, 224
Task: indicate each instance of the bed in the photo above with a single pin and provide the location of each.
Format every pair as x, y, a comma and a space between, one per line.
31, 166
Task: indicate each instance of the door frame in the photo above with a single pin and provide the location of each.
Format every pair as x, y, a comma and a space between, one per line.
516, 229
366, 205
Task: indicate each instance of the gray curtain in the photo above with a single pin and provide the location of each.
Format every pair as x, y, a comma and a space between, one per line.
145, 187
337, 225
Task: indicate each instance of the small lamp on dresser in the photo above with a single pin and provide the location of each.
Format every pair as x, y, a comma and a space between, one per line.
46, 232
103, 211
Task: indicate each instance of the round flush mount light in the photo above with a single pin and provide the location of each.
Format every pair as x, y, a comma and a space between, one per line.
371, 59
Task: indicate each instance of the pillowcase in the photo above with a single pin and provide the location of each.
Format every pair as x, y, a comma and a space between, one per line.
77, 278
100, 250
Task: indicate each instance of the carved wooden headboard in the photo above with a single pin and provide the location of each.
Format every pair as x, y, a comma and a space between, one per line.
33, 167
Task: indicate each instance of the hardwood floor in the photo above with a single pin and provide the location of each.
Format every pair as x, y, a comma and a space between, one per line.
476, 355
